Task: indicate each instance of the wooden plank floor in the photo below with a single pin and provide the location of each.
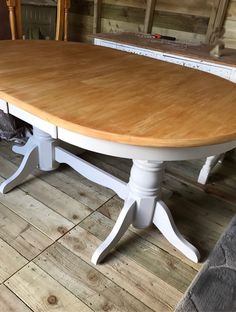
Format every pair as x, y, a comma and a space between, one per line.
51, 224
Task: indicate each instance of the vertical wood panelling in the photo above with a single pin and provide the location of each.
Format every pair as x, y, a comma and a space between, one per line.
66, 19
186, 20
217, 18
148, 22
230, 25
97, 16
60, 19
18, 18
39, 22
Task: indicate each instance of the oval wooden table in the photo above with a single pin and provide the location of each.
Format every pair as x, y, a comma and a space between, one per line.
118, 104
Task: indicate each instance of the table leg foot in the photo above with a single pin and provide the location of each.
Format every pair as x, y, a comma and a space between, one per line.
38, 152
22, 149
123, 222
163, 220
210, 163
28, 164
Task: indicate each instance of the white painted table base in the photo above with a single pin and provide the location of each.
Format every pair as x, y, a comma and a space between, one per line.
142, 195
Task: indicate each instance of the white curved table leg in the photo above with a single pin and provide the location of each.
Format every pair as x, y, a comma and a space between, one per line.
38, 152
123, 222
164, 222
22, 149
28, 164
210, 163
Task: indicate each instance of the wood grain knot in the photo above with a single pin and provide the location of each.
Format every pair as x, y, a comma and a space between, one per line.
93, 277
62, 230
52, 300
75, 217
80, 245
107, 307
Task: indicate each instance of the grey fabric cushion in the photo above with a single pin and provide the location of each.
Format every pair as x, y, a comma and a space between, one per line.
214, 288
12, 129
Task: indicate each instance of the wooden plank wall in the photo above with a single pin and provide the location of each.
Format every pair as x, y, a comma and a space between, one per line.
217, 18
185, 19
230, 25
39, 22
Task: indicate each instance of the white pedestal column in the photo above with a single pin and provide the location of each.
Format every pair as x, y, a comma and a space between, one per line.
143, 207
38, 152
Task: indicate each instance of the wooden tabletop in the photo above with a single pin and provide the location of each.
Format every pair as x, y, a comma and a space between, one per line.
196, 51
116, 96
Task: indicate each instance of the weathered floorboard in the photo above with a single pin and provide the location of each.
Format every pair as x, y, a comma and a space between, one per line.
9, 302
21, 235
42, 293
124, 271
86, 282
34, 212
10, 261
58, 201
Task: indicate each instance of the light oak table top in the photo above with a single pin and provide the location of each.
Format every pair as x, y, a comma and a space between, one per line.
116, 96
